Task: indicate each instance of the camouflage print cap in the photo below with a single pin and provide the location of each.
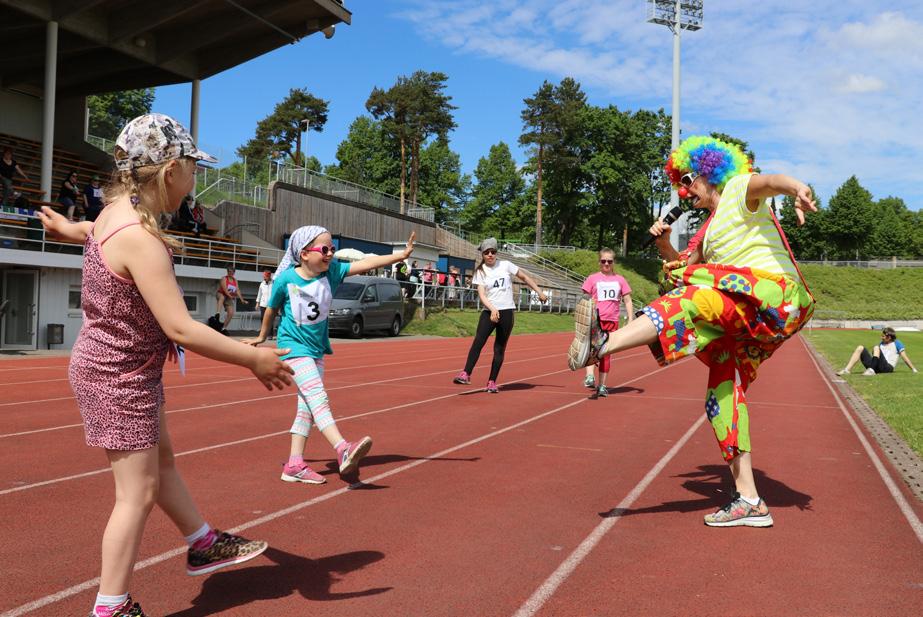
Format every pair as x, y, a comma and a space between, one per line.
153, 139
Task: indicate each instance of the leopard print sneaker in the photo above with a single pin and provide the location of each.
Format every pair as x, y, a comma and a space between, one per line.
227, 550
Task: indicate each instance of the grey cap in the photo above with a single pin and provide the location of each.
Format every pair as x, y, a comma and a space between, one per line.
487, 243
153, 139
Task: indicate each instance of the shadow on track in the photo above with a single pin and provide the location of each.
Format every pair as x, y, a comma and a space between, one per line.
715, 485
291, 574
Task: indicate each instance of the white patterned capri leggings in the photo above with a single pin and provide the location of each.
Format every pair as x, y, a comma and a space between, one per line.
313, 406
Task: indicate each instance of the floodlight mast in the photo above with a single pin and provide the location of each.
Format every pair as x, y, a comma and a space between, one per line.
676, 15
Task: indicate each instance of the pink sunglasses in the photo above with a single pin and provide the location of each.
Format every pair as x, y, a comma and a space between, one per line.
323, 250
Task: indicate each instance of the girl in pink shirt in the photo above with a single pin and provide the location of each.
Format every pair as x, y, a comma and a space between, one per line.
608, 289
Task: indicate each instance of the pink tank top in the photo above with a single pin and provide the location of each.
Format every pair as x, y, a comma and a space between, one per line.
120, 334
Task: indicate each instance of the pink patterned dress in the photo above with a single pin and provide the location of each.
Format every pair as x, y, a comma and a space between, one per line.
116, 367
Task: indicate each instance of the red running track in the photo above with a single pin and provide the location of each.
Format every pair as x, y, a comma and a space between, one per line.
535, 501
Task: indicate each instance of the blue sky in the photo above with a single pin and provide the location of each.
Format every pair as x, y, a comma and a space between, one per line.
821, 90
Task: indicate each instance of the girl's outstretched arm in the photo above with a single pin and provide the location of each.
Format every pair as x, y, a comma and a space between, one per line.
380, 261
523, 276
59, 228
150, 266
906, 359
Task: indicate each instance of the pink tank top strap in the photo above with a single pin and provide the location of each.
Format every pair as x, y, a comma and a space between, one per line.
116, 230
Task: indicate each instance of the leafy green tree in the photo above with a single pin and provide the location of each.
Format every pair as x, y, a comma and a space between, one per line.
850, 219
892, 232
536, 123
280, 132
412, 111
430, 116
443, 186
496, 205
563, 179
809, 241
111, 111
367, 157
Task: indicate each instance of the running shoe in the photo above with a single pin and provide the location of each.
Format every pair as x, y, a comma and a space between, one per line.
227, 550
589, 382
301, 473
492, 387
842, 372
126, 609
462, 378
602, 392
738, 512
589, 338
350, 456
868, 372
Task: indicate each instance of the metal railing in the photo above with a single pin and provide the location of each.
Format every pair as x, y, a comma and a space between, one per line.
309, 179
106, 145
870, 263
431, 295
547, 264
25, 232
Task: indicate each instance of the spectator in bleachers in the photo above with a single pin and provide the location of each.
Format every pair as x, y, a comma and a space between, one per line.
93, 198
68, 195
182, 218
198, 220
8, 170
453, 281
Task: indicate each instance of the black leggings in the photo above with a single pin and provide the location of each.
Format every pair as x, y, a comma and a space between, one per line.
504, 328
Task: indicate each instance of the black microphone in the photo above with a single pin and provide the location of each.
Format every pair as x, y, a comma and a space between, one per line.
670, 218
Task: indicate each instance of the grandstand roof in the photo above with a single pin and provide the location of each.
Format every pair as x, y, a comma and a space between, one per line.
111, 45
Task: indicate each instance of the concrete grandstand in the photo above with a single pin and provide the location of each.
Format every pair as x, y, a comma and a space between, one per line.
75, 49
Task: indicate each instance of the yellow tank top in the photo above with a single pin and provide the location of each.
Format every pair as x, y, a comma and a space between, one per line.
738, 237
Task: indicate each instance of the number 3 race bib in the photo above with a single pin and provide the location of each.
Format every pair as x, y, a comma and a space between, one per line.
311, 303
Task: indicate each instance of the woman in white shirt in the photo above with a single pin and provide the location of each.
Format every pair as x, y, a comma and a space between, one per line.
494, 280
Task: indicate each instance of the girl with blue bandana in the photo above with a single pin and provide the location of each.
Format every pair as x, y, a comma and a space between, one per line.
303, 289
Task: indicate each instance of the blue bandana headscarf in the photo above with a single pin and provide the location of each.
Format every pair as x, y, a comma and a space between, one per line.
300, 238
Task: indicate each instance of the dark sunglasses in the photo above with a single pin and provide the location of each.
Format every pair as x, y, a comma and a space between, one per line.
323, 250
489, 252
688, 179
606, 261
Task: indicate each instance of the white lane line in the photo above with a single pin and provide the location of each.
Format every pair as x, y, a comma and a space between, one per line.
557, 578
90, 584
267, 435
548, 445
266, 398
250, 377
896, 493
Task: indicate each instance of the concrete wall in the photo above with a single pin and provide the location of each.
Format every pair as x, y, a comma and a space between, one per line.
292, 207
20, 115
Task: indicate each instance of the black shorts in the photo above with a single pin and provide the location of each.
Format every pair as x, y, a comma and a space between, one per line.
877, 364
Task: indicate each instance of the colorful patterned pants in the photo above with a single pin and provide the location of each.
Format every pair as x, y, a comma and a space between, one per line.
313, 405
732, 319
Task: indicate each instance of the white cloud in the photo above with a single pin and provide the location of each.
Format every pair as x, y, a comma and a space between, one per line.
829, 88
859, 84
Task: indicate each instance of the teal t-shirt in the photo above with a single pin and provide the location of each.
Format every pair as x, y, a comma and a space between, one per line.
304, 305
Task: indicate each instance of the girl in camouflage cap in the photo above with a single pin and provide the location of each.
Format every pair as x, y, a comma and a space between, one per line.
134, 318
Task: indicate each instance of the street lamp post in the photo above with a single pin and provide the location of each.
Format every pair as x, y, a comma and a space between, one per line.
677, 15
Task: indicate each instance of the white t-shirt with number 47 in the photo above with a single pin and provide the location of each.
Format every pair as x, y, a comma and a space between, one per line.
498, 282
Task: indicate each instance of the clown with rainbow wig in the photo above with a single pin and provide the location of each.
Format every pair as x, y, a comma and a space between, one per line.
735, 295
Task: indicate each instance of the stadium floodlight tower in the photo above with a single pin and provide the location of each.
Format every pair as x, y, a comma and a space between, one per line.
676, 15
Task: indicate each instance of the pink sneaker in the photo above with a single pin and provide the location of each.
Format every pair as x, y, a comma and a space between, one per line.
350, 456
463, 378
301, 473
492, 387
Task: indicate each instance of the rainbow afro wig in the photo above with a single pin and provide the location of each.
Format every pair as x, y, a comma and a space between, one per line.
716, 160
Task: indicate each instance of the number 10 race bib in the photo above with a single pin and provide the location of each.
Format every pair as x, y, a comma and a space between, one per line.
608, 291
